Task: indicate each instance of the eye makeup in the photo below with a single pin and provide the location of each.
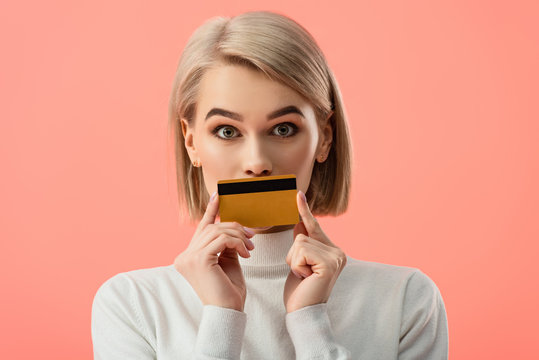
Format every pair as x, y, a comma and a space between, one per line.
294, 130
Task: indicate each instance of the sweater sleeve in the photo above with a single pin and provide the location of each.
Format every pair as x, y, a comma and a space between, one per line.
117, 330
312, 336
424, 332
220, 333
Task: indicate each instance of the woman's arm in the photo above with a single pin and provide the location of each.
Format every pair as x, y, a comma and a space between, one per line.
220, 334
315, 264
120, 330
311, 334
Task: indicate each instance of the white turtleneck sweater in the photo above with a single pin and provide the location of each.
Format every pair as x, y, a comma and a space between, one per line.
375, 311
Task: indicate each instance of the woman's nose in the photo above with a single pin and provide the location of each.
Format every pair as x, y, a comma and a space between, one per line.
256, 159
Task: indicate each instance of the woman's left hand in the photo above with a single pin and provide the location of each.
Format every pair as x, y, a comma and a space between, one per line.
315, 262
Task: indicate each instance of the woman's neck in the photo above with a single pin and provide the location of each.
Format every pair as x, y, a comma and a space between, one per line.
270, 249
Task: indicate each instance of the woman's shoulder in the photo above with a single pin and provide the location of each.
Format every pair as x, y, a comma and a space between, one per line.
381, 275
152, 280
133, 302
377, 269
402, 298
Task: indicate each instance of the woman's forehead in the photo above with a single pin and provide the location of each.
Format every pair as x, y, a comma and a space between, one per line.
245, 92
230, 81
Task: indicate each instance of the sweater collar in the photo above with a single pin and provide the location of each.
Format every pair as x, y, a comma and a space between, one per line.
268, 258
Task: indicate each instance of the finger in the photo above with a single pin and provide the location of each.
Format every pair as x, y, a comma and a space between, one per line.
233, 229
310, 223
296, 259
299, 228
229, 262
236, 225
303, 258
321, 258
299, 241
227, 242
313, 242
291, 255
211, 212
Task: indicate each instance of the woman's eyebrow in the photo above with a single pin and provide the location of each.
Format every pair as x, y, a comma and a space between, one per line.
235, 116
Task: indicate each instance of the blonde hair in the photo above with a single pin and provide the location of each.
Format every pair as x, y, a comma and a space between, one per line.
286, 52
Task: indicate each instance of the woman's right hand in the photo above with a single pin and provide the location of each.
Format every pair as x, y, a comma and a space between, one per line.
217, 279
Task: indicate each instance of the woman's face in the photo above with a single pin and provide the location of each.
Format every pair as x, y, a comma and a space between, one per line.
247, 125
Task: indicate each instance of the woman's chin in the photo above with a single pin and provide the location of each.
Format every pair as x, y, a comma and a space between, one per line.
255, 229
270, 229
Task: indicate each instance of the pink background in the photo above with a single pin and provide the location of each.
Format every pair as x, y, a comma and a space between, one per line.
442, 103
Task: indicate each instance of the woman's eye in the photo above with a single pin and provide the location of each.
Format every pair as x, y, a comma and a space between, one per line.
285, 129
225, 132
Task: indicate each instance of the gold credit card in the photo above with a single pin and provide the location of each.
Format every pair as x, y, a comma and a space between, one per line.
258, 202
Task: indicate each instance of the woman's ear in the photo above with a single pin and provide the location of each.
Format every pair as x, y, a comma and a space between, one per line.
188, 139
326, 138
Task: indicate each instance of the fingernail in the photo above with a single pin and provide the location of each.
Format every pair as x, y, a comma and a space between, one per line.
251, 243
303, 196
295, 273
250, 232
213, 196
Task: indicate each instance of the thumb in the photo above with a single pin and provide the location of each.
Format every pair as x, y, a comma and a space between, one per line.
300, 229
309, 221
211, 211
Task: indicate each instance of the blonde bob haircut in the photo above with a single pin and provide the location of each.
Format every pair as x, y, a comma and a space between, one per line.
286, 52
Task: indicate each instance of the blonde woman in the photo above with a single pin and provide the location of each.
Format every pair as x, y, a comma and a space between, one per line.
253, 96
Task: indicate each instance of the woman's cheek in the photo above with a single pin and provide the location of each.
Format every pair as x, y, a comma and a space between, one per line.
217, 164
301, 161
219, 159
